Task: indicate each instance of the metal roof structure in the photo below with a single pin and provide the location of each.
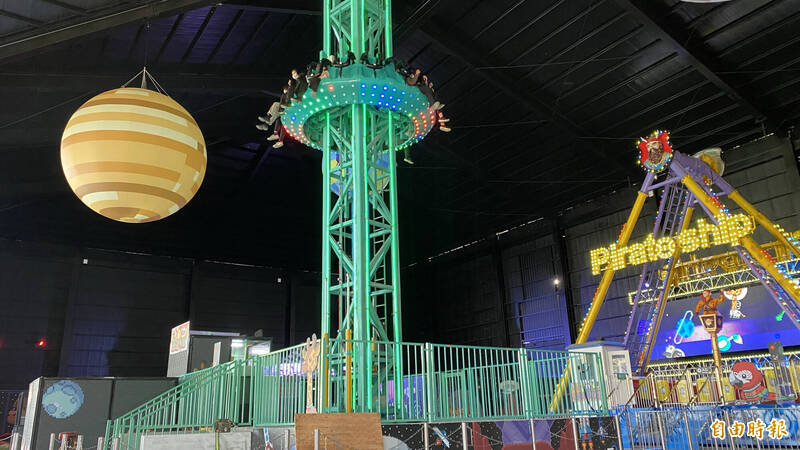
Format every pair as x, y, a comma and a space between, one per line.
546, 99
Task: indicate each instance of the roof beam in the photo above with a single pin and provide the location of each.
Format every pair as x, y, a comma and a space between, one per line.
199, 33
90, 24
300, 7
225, 35
648, 14
415, 19
458, 45
168, 39
67, 6
21, 18
56, 33
179, 81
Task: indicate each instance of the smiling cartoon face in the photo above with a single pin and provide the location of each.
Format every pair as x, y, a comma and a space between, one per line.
655, 152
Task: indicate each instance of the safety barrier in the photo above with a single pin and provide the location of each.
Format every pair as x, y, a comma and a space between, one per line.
194, 404
695, 382
695, 428
407, 382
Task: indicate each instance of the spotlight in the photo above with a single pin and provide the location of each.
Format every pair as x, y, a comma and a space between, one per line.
556, 281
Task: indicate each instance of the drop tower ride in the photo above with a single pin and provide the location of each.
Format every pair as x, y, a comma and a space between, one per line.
361, 115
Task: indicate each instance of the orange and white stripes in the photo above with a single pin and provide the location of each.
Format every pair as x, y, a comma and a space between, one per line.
133, 155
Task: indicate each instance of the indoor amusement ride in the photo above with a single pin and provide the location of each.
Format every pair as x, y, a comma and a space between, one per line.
358, 118
689, 183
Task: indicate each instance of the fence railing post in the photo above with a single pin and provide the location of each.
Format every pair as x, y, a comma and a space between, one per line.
15, 441
109, 431
619, 430
629, 425
429, 378
533, 432
654, 391
661, 429
574, 421
600, 378
686, 427
525, 386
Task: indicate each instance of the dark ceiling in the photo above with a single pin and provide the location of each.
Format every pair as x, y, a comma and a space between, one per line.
546, 98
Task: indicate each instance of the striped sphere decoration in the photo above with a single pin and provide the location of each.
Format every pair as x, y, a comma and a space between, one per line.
133, 155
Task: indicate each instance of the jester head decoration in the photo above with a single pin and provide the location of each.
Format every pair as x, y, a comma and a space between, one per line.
655, 151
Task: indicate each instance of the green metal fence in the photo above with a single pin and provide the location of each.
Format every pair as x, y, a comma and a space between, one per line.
194, 404
407, 383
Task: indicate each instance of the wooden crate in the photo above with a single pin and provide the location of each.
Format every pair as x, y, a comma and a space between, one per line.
354, 430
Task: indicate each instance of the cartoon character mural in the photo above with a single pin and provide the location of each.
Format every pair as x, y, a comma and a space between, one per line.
736, 296
707, 304
551, 434
673, 352
748, 382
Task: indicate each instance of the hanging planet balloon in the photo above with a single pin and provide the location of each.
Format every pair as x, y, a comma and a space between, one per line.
133, 155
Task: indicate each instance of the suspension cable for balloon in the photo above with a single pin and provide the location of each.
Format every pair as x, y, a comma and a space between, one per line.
146, 75
133, 78
156, 83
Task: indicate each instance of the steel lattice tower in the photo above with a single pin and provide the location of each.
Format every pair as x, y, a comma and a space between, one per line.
361, 115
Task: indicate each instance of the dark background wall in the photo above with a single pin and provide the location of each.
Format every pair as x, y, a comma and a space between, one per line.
105, 313
466, 303
109, 313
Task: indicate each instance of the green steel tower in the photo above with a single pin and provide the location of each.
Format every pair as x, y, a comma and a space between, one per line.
360, 116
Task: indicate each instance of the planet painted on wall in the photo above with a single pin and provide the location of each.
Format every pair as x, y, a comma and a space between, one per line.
62, 399
685, 327
390, 442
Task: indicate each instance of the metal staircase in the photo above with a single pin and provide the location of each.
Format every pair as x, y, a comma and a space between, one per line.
781, 297
651, 295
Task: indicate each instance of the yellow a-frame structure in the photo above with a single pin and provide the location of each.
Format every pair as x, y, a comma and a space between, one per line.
688, 185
